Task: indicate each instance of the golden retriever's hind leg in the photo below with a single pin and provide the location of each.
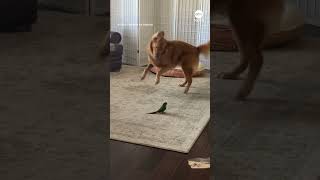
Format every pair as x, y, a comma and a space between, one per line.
183, 84
254, 69
252, 51
185, 78
188, 75
159, 73
145, 71
241, 37
234, 74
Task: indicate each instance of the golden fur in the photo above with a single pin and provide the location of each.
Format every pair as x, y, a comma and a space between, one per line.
252, 21
167, 55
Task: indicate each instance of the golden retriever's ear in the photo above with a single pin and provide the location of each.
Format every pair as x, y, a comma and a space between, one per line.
161, 34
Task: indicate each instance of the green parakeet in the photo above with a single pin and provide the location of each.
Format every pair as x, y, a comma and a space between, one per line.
161, 110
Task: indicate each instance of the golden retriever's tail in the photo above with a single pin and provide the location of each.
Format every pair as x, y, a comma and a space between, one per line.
204, 48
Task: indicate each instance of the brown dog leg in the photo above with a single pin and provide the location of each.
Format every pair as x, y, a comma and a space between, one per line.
240, 35
255, 66
145, 71
249, 34
159, 73
250, 40
184, 83
188, 76
240, 68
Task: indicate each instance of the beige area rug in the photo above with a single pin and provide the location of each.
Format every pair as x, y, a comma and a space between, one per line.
177, 129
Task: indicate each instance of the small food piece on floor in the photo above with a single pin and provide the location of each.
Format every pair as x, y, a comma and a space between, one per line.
199, 163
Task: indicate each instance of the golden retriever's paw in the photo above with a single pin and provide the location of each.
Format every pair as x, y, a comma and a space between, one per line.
186, 91
182, 85
226, 75
143, 76
242, 95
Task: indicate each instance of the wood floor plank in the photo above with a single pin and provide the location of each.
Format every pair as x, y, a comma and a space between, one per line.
131, 161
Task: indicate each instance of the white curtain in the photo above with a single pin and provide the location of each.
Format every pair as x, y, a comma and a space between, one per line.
311, 10
174, 17
124, 19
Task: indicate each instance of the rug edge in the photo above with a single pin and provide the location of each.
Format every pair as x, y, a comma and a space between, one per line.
205, 119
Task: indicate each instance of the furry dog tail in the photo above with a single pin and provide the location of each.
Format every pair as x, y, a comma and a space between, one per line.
204, 48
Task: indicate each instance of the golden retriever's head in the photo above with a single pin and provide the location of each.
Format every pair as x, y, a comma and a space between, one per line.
157, 45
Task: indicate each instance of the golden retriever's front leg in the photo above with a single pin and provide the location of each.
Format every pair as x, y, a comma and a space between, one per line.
188, 76
159, 73
145, 71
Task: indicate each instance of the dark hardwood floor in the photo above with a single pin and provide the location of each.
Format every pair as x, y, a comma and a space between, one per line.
130, 161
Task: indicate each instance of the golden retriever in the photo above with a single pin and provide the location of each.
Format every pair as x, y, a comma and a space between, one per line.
167, 55
252, 21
